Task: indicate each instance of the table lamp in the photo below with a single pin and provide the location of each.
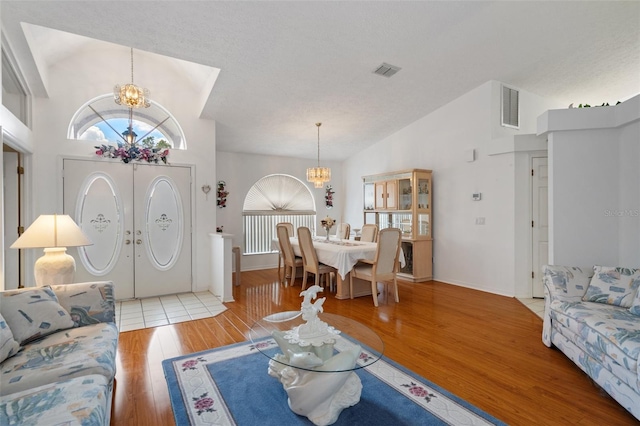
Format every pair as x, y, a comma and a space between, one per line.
54, 233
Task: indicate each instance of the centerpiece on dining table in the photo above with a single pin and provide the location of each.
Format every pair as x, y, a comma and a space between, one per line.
327, 223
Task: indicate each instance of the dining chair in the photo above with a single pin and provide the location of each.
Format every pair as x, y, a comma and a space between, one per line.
384, 267
343, 231
310, 260
289, 226
290, 260
369, 233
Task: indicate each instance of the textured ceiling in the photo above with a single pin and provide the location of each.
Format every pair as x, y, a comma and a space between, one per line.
287, 65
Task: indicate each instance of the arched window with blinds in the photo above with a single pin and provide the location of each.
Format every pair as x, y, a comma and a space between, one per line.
271, 200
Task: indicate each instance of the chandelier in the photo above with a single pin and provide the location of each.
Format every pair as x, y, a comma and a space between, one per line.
318, 175
131, 95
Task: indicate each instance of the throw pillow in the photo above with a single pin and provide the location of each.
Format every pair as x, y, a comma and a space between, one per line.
8, 346
613, 286
635, 305
33, 313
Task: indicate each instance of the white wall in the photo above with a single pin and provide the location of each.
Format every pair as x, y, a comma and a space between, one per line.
594, 183
241, 171
522, 145
466, 254
75, 80
629, 195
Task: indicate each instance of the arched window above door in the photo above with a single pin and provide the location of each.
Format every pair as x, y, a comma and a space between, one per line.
101, 120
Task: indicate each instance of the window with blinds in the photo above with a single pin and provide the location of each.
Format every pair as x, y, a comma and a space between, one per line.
274, 199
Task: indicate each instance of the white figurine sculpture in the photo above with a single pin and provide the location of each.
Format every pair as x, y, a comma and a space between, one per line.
319, 384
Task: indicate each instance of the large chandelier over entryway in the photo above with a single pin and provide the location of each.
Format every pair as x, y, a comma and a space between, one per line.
131, 96
318, 175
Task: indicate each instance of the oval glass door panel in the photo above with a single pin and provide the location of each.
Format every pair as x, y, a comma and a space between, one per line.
164, 223
99, 214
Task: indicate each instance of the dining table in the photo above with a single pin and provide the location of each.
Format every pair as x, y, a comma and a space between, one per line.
342, 254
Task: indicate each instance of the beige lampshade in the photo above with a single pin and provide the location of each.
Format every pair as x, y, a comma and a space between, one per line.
55, 230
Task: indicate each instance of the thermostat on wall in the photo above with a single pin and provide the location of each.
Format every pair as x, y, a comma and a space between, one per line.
477, 196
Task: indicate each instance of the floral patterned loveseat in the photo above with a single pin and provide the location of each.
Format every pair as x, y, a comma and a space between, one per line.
58, 354
593, 316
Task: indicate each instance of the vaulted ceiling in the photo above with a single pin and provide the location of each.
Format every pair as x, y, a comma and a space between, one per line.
287, 65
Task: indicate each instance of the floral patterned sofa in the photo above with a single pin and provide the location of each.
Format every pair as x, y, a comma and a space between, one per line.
593, 316
57, 354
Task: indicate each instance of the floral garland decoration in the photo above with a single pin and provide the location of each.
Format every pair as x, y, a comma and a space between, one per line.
328, 198
150, 155
222, 194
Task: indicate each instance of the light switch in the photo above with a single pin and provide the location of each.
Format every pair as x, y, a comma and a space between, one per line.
477, 196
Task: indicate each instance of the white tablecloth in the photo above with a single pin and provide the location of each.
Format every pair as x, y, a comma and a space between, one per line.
341, 254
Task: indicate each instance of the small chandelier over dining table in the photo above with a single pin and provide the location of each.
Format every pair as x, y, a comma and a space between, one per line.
131, 96
318, 175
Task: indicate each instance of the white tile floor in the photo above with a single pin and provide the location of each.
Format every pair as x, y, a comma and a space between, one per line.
536, 305
164, 310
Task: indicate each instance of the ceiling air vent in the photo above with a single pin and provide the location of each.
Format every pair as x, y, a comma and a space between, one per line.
386, 70
510, 108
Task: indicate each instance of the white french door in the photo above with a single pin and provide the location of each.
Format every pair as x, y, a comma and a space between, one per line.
138, 217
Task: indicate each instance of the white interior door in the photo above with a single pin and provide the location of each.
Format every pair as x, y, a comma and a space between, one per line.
139, 219
99, 197
11, 219
540, 217
163, 230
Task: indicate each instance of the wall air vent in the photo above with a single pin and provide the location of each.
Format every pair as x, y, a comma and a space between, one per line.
510, 116
386, 70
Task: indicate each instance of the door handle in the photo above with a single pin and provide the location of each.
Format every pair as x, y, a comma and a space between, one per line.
127, 242
138, 241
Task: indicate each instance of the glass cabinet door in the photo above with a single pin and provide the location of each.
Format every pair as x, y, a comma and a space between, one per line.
369, 196
404, 194
424, 194
424, 226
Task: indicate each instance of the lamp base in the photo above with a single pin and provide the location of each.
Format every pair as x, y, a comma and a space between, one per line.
55, 267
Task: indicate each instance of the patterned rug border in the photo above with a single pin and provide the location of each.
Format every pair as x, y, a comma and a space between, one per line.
447, 407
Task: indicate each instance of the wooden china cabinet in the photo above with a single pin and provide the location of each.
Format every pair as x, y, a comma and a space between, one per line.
403, 200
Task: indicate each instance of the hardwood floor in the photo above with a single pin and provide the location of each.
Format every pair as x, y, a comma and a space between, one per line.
487, 349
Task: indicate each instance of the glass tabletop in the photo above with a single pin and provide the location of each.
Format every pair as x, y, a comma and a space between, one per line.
342, 334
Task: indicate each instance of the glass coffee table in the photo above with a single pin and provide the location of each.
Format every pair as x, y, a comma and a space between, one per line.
317, 358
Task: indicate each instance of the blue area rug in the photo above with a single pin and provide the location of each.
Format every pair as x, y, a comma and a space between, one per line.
230, 386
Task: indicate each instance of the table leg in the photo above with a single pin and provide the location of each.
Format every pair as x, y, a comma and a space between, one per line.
342, 287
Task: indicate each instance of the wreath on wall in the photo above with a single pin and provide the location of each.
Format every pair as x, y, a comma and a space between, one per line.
328, 197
